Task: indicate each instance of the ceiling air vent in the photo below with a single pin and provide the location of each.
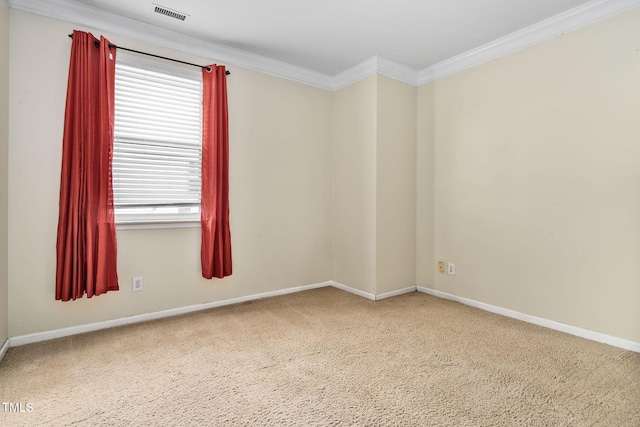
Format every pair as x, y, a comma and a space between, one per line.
169, 12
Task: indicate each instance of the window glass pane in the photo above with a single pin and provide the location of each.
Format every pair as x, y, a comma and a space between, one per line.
157, 144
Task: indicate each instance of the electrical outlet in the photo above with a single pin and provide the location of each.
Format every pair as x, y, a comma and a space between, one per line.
451, 269
137, 284
440, 267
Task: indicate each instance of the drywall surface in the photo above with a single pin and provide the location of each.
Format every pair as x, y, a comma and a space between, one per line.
395, 185
536, 179
425, 163
354, 185
280, 193
4, 158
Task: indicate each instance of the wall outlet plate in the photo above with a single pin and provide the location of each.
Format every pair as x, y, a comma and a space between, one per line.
451, 269
137, 284
440, 267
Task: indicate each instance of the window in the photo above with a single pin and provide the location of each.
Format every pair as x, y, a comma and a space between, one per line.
157, 142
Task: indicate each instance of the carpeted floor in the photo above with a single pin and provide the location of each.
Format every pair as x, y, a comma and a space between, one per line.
324, 358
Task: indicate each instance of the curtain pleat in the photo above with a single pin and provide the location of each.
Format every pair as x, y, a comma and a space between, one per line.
216, 235
86, 242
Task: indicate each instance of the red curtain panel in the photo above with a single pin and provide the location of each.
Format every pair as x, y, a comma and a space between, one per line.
86, 244
216, 235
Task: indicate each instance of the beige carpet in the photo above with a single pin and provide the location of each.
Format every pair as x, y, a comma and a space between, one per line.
324, 358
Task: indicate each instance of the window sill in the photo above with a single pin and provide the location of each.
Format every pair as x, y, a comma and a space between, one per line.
149, 225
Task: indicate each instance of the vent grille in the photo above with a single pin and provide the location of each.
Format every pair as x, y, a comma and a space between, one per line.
169, 12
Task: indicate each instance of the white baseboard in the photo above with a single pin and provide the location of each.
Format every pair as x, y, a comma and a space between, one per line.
396, 293
562, 327
91, 327
74, 330
573, 330
351, 290
4, 348
370, 296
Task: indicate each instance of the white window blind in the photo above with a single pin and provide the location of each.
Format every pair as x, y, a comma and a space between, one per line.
157, 143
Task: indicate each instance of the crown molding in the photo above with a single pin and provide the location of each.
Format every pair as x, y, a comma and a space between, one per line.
358, 72
375, 65
562, 23
91, 17
397, 71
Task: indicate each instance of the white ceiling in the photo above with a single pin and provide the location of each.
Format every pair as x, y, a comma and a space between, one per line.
332, 42
330, 36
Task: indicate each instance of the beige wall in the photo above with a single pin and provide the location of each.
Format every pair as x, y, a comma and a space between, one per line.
395, 185
354, 185
537, 184
374, 185
4, 145
425, 161
280, 162
523, 170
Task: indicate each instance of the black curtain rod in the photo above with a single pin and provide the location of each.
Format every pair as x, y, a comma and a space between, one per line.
97, 43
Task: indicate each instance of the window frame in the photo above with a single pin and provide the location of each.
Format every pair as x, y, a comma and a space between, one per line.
157, 216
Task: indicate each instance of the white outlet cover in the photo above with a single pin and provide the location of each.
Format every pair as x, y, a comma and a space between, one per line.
137, 284
451, 269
